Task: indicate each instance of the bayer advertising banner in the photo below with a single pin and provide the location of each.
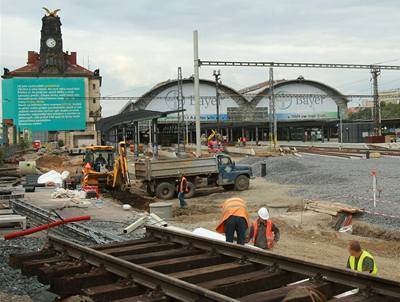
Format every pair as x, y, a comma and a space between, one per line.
45, 104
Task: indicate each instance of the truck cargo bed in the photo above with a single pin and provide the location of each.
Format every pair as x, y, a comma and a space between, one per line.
149, 169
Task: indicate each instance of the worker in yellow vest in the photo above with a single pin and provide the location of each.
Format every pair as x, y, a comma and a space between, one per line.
360, 260
263, 232
234, 218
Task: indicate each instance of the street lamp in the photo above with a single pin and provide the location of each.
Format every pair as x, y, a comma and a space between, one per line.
217, 76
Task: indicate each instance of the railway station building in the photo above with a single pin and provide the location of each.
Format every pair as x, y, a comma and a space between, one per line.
305, 110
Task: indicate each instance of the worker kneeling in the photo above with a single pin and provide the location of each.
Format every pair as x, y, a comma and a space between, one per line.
264, 233
235, 218
360, 260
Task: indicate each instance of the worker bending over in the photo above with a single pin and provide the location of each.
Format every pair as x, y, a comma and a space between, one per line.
360, 260
263, 232
235, 218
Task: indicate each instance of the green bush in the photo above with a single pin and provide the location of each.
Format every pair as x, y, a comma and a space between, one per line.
60, 143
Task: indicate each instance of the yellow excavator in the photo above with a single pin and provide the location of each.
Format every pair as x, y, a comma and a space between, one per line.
105, 169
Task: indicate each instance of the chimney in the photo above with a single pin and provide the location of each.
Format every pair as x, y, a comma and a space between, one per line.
72, 58
33, 57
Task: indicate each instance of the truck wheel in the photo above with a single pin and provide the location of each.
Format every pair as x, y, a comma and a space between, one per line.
242, 183
149, 190
165, 190
192, 190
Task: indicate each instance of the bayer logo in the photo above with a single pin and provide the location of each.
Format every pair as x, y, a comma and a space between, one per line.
171, 99
283, 103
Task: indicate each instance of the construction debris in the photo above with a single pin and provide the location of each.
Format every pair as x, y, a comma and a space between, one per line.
330, 208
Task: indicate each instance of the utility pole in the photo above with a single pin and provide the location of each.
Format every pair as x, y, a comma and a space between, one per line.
377, 104
272, 111
340, 127
196, 93
217, 76
181, 116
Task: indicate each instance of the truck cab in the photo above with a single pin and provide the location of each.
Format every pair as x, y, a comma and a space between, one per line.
233, 176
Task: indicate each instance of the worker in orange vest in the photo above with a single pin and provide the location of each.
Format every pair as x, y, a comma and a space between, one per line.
235, 218
263, 232
183, 188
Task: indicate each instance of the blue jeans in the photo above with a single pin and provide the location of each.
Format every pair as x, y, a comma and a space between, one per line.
235, 224
181, 197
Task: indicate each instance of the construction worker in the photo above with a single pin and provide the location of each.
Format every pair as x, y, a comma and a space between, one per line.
183, 188
235, 218
360, 260
263, 232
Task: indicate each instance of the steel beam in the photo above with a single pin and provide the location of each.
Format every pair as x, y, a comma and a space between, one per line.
296, 65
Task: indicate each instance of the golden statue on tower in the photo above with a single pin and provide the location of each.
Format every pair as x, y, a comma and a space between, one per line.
51, 13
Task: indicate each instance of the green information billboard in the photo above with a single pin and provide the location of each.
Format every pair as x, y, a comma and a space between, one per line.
45, 104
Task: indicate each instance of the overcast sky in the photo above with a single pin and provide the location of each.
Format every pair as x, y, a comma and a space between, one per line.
137, 44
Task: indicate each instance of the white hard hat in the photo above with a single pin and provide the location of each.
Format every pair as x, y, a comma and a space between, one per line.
263, 213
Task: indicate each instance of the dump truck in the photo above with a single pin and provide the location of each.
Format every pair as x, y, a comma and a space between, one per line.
161, 177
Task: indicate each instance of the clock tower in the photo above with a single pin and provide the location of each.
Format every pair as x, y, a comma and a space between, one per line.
51, 51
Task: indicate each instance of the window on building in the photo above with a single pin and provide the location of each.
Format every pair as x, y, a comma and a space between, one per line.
94, 100
94, 86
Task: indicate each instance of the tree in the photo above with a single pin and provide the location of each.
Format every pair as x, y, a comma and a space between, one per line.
388, 111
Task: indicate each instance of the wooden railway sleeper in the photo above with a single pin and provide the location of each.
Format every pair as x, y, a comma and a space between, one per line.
274, 268
243, 260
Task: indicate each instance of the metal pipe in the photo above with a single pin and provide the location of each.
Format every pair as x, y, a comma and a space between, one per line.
196, 92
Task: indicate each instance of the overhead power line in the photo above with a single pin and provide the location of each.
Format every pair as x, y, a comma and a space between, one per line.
297, 65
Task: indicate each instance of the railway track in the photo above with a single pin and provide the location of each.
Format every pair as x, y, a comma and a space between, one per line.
168, 265
78, 231
344, 152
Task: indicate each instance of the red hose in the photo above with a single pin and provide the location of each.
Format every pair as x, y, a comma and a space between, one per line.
44, 227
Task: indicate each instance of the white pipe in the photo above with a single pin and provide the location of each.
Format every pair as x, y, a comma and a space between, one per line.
138, 223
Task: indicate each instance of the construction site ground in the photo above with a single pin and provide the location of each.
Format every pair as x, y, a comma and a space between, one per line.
305, 235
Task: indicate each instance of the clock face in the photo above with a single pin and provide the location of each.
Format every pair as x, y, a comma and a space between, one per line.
50, 42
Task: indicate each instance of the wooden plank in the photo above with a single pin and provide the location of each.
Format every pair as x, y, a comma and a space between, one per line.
31, 267
361, 298
156, 256
16, 260
140, 248
45, 273
145, 298
245, 284
296, 292
111, 292
123, 243
186, 263
72, 285
213, 272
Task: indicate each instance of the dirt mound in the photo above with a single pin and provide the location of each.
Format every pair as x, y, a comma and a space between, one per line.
374, 231
135, 200
51, 162
58, 163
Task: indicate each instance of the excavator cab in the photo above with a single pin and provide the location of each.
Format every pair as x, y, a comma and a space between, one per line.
100, 159
105, 169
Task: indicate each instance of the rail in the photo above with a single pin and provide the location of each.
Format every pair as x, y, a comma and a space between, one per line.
171, 265
75, 230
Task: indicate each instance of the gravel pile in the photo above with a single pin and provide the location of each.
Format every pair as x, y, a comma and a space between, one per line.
337, 179
11, 280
